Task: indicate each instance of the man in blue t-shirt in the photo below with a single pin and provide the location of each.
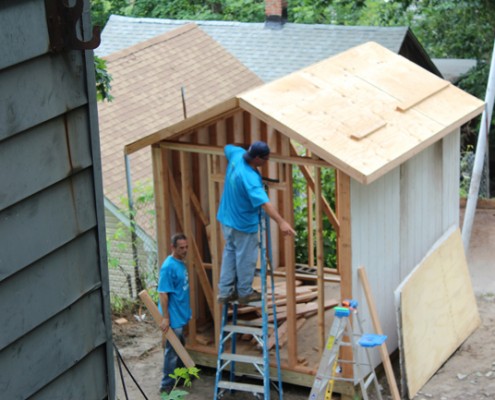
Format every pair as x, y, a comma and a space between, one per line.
173, 289
239, 214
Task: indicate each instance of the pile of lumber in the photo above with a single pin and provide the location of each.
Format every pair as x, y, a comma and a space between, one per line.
306, 306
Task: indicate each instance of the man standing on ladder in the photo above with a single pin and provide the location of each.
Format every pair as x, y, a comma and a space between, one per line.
243, 195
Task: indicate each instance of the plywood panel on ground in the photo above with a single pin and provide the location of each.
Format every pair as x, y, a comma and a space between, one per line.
437, 308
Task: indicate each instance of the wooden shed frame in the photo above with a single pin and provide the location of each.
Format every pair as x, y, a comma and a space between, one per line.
364, 113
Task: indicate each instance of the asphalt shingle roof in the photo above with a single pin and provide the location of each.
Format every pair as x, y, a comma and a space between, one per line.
147, 82
269, 53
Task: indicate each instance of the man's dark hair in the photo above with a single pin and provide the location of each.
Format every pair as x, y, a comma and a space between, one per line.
177, 237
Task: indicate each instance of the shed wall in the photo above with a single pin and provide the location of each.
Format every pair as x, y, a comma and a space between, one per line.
54, 305
396, 220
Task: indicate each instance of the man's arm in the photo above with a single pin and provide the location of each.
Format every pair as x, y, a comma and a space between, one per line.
165, 324
282, 223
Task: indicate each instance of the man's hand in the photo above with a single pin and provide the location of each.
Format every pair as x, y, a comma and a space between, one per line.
287, 229
164, 325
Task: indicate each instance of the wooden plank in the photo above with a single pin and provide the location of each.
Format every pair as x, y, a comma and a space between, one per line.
31, 100
215, 248
170, 335
218, 151
289, 247
186, 189
46, 221
162, 205
44, 278
366, 128
60, 145
426, 93
438, 309
344, 251
392, 384
320, 263
30, 362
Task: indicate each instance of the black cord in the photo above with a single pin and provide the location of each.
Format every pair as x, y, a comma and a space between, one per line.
120, 359
121, 373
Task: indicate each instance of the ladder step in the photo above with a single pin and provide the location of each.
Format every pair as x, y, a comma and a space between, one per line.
243, 329
241, 358
244, 387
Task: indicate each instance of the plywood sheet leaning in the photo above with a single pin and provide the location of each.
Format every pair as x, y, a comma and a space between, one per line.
437, 310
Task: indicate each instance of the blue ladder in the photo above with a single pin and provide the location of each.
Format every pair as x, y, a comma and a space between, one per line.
229, 332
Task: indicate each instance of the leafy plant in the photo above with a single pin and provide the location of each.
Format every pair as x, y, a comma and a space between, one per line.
181, 374
103, 79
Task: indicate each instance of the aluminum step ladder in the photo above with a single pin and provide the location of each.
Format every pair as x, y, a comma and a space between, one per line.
330, 363
230, 329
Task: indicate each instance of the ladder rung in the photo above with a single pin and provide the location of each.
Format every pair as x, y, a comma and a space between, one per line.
241, 358
243, 329
244, 387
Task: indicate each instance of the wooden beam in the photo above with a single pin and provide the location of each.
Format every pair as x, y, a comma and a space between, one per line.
345, 253
288, 215
215, 253
162, 206
186, 187
389, 372
320, 264
218, 150
170, 335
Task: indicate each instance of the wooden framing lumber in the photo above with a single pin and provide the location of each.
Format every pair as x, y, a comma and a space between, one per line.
319, 261
162, 206
170, 335
389, 372
311, 184
214, 248
217, 150
186, 184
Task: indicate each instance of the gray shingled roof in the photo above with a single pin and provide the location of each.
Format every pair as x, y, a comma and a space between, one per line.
269, 53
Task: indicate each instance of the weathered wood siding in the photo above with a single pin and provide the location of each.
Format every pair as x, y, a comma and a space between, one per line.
397, 219
55, 341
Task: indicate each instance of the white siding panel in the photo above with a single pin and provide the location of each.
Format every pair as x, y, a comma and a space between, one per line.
451, 145
375, 226
421, 206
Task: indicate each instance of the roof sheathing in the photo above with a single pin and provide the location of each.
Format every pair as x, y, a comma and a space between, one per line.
357, 93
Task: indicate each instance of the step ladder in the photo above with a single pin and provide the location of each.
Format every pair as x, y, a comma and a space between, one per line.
330, 363
228, 331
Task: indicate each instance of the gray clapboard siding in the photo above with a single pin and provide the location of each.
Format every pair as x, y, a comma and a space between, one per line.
27, 366
48, 286
375, 227
43, 155
38, 225
421, 205
451, 178
85, 381
24, 34
40, 89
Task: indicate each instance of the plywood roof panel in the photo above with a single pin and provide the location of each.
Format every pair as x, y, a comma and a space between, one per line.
365, 111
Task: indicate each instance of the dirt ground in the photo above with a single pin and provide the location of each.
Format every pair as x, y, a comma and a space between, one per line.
468, 374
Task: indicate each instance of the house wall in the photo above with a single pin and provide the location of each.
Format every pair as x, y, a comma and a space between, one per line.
395, 221
55, 340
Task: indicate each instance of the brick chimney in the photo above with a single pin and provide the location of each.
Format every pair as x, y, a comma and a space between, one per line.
275, 13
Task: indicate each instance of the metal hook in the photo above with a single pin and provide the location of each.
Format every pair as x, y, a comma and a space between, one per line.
62, 20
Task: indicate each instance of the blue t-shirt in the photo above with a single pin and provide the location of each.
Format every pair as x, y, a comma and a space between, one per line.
243, 193
174, 280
